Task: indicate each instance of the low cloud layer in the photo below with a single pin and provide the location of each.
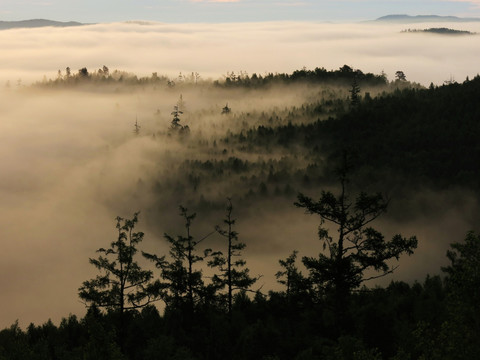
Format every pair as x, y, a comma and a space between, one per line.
214, 49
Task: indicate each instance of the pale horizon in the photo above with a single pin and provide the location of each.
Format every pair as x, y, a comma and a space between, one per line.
214, 11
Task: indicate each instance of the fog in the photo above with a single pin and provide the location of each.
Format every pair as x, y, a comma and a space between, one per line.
214, 49
71, 162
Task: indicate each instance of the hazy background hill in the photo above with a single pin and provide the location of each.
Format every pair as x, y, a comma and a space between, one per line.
35, 23
407, 19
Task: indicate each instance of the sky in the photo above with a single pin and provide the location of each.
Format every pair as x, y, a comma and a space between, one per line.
217, 11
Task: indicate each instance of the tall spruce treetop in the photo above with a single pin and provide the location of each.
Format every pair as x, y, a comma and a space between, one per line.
357, 247
232, 272
176, 118
354, 93
123, 284
183, 283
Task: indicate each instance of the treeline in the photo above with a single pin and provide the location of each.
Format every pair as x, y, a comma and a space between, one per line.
100, 76
103, 75
342, 76
435, 319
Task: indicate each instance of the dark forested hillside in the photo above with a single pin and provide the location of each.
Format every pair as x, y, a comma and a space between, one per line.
421, 135
425, 136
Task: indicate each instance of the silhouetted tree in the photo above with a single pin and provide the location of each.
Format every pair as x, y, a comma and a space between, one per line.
226, 109
354, 92
357, 248
400, 75
137, 127
296, 284
123, 284
232, 275
184, 284
181, 103
83, 73
346, 69
176, 118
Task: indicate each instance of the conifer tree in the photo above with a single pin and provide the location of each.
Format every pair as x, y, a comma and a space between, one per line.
122, 285
184, 284
232, 272
296, 284
354, 93
176, 118
358, 247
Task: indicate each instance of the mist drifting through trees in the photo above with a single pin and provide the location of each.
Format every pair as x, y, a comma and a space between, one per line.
91, 141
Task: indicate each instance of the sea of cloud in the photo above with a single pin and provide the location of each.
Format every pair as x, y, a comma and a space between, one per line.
214, 49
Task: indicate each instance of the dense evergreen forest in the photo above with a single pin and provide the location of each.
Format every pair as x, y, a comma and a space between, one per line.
355, 135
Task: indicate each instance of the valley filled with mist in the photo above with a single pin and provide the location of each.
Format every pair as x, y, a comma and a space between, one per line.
89, 142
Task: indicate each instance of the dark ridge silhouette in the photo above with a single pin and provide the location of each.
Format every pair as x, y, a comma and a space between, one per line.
34, 23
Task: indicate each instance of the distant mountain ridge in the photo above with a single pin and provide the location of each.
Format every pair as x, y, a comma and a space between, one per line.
423, 18
34, 23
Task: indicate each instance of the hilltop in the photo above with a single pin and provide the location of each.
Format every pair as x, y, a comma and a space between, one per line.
402, 18
34, 23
